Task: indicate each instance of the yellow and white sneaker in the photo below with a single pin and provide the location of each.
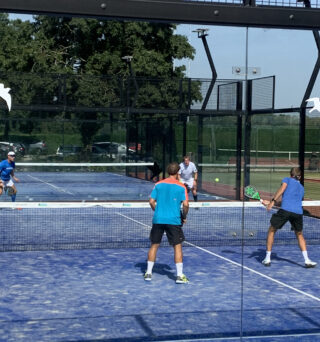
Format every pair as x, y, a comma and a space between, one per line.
182, 279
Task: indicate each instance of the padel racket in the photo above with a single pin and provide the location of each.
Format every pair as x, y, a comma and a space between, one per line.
251, 192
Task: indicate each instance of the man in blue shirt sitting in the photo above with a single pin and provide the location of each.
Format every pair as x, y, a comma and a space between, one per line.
7, 167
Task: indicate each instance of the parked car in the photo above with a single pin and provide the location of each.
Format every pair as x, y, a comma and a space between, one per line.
68, 150
112, 150
37, 147
18, 148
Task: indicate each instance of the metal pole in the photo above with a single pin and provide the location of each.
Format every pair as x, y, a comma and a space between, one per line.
302, 127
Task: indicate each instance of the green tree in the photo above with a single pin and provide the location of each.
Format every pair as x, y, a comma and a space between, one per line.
94, 47
51, 46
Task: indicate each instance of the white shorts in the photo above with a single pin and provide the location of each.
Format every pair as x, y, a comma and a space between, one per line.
7, 183
189, 182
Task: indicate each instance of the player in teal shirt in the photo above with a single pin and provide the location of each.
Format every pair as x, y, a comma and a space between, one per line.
292, 193
168, 193
165, 200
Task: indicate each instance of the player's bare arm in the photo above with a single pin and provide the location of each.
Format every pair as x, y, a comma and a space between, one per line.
14, 177
185, 209
152, 203
277, 195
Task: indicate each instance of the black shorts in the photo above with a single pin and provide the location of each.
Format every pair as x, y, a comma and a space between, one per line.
174, 233
187, 187
279, 219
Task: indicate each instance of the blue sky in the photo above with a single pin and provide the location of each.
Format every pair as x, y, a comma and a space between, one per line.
290, 55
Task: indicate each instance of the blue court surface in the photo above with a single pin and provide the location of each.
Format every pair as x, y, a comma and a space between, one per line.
59, 283
100, 295
83, 186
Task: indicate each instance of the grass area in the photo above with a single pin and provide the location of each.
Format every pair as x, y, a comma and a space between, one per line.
263, 180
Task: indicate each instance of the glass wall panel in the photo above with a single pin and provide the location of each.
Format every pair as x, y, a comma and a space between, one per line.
218, 148
312, 155
274, 149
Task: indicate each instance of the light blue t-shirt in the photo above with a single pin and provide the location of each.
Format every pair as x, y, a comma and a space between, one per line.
292, 196
5, 169
169, 194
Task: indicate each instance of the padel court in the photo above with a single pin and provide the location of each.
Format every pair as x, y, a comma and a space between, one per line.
84, 186
79, 276
74, 245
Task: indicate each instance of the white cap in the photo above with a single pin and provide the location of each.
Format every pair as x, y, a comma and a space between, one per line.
11, 153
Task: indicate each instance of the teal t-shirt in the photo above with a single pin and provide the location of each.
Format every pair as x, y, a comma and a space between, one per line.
169, 194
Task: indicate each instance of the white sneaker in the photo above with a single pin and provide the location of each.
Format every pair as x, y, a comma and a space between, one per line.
310, 264
266, 262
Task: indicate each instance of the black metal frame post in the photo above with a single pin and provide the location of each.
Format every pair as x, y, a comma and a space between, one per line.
239, 141
184, 136
130, 105
283, 15
247, 133
200, 150
202, 33
185, 120
302, 126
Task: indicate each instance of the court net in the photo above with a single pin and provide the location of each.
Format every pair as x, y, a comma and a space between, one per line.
48, 226
84, 181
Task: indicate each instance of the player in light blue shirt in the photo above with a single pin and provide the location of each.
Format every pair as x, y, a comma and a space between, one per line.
7, 167
292, 193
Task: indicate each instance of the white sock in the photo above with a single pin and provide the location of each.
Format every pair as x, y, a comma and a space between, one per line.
268, 255
305, 255
179, 267
150, 267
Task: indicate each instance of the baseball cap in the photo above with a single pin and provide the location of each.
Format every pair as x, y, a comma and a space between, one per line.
11, 153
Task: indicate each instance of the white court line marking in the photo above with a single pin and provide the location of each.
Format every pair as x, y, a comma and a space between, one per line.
136, 221
256, 272
237, 264
53, 186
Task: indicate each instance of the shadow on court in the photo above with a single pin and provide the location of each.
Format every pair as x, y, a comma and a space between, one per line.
260, 254
161, 269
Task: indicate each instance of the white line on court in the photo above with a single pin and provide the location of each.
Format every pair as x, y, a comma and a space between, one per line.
136, 221
237, 264
53, 186
254, 271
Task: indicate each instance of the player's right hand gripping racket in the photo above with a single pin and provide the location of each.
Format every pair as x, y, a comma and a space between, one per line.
182, 217
251, 192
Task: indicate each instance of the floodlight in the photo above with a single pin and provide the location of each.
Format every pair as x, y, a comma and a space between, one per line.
128, 59
202, 32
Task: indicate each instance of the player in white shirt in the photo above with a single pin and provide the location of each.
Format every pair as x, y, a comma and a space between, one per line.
188, 175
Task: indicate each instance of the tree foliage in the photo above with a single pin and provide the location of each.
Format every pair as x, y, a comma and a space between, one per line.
81, 47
